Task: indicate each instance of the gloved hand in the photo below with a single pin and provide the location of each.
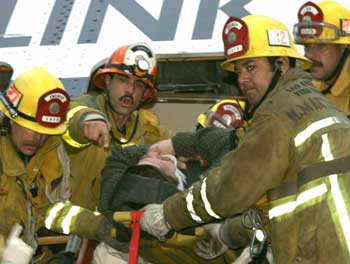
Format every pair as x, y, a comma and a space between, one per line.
17, 251
153, 221
211, 246
113, 234
98, 227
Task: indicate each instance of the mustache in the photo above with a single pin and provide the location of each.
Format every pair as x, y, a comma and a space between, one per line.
126, 97
316, 63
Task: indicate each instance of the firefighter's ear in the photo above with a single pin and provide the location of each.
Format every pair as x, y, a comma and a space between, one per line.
284, 64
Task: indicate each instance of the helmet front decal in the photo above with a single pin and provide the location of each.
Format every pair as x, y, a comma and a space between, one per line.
235, 38
52, 108
310, 12
310, 17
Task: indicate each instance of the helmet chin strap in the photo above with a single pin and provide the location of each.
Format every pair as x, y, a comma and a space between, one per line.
248, 114
334, 76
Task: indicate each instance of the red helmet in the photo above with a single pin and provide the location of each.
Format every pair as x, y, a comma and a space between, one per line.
136, 60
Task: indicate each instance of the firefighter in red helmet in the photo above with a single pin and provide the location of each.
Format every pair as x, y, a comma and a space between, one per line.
115, 116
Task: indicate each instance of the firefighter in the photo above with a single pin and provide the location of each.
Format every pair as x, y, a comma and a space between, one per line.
117, 116
296, 150
35, 172
324, 30
34, 165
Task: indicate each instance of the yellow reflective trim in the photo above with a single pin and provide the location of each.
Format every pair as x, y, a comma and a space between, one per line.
66, 136
302, 198
311, 193
312, 128
326, 149
281, 209
205, 200
68, 219
341, 208
53, 213
190, 208
336, 193
128, 145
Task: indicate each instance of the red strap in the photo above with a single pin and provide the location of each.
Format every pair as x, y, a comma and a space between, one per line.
135, 237
3, 191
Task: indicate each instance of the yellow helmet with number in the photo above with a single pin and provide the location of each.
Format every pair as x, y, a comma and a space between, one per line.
326, 22
36, 100
257, 36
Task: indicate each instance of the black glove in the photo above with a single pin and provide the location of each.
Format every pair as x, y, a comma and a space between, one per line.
114, 235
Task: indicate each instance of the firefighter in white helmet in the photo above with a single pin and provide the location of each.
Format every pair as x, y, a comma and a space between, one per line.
296, 150
324, 30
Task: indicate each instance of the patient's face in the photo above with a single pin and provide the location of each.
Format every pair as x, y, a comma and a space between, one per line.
165, 164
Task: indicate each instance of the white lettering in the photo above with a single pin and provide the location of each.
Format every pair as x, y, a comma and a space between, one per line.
234, 49
51, 119
58, 96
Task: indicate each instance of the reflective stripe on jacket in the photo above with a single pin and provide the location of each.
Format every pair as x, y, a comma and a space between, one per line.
288, 132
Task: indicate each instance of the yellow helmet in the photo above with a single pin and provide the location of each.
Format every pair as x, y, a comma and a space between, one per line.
36, 100
227, 113
257, 36
327, 22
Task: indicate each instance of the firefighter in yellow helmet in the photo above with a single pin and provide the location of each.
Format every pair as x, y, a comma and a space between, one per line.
35, 171
296, 150
227, 113
34, 165
116, 116
324, 30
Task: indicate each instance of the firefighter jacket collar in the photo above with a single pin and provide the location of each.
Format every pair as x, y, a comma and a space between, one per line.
11, 160
129, 125
341, 85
